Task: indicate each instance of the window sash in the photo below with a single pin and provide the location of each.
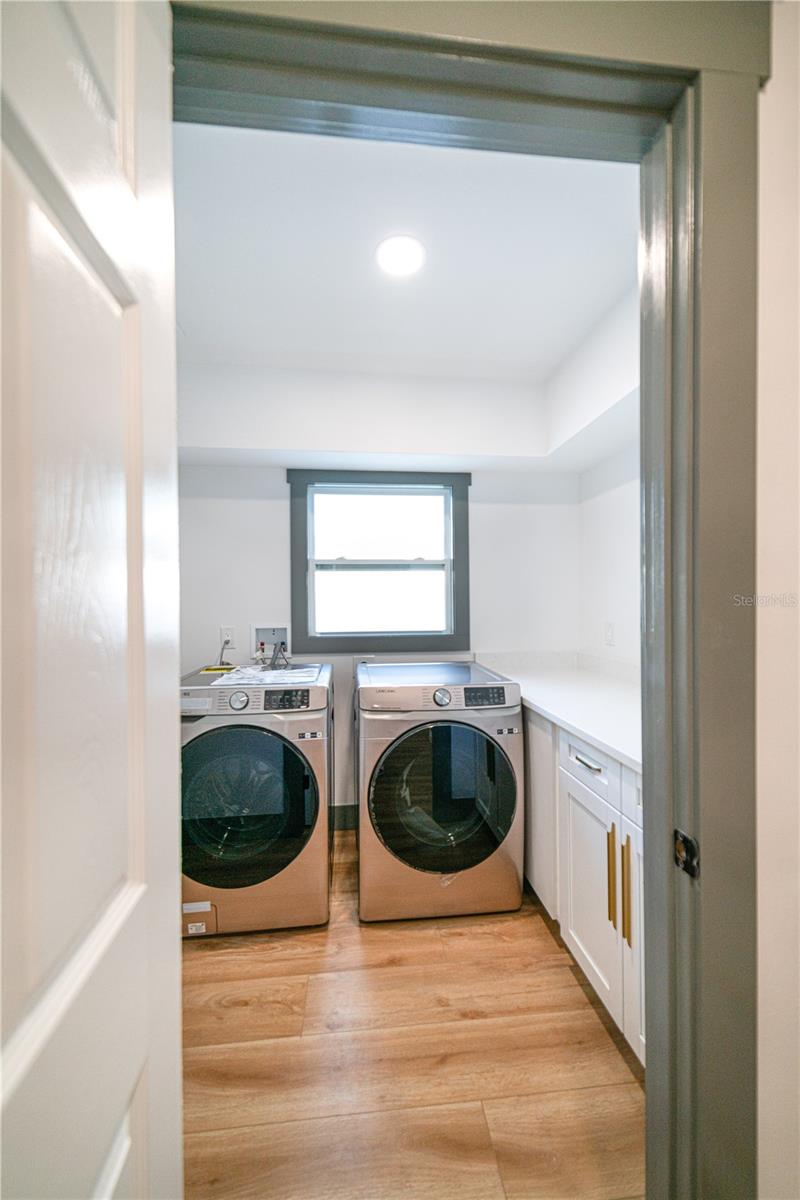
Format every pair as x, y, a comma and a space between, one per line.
382, 564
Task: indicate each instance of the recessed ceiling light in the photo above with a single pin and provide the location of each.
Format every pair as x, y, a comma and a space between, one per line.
400, 255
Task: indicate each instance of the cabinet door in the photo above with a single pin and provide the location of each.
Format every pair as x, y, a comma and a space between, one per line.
632, 901
589, 888
541, 842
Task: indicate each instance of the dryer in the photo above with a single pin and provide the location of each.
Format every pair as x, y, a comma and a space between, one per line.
441, 790
256, 786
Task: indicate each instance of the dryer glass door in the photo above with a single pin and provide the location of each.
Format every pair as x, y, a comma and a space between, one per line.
442, 798
250, 802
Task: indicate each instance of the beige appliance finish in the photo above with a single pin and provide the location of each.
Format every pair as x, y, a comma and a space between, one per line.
393, 702
298, 894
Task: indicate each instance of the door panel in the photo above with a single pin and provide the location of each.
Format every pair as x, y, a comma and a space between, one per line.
589, 905
76, 583
79, 1077
89, 545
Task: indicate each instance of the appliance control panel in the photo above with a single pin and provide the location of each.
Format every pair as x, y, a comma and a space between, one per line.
249, 701
286, 698
438, 699
477, 697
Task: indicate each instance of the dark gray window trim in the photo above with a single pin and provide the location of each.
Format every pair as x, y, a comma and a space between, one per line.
304, 642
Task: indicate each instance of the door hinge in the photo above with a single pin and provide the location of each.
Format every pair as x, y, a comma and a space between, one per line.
687, 854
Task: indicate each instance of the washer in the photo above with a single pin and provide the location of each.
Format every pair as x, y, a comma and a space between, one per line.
256, 785
440, 787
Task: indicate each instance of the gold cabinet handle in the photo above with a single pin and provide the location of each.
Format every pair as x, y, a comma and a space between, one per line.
611, 871
627, 923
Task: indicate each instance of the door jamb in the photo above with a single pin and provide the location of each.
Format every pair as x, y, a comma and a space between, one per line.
696, 136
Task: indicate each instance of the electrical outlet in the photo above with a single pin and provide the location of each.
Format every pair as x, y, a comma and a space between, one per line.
609, 632
227, 632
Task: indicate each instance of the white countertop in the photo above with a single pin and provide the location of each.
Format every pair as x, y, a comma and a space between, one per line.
603, 709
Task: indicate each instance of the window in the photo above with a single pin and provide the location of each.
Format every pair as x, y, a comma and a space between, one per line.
379, 561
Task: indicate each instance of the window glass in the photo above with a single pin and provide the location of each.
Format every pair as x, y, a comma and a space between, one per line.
370, 525
374, 601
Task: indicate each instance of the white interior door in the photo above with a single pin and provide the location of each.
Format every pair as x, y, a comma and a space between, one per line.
90, 853
589, 902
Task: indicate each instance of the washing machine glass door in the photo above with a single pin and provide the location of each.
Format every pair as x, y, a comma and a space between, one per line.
442, 797
250, 802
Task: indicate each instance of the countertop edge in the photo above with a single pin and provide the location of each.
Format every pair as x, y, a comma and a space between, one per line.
615, 752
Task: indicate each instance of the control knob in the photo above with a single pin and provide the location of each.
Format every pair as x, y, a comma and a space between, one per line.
442, 697
238, 700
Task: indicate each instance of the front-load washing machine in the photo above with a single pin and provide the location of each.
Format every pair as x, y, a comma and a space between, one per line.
440, 785
256, 784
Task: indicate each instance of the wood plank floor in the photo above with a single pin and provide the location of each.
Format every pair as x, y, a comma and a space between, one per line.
417, 1060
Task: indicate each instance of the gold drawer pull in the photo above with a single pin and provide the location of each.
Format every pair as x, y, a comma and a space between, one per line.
611, 854
627, 924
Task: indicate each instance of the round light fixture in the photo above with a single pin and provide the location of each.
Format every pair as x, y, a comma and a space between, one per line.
400, 255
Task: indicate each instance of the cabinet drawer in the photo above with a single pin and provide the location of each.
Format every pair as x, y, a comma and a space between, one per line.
632, 796
591, 767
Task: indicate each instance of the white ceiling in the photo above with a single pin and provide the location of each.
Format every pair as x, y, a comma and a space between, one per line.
276, 234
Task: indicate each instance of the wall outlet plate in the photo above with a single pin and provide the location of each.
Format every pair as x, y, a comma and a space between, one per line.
271, 635
227, 632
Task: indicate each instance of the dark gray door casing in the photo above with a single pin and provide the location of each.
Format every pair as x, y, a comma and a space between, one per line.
690, 117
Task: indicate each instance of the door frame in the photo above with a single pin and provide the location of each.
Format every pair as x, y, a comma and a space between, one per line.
694, 130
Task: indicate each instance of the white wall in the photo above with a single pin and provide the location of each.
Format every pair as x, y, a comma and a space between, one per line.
235, 559
524, 566
524, 562
778, 640
603, 370
337, 412
610, 562
590, 401
527, 566
234, 532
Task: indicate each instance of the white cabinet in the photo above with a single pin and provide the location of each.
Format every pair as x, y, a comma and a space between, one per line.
541, 839
583, 858
601, 879
590, 890
632, 899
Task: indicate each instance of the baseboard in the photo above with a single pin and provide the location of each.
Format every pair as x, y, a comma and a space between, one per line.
345, 816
